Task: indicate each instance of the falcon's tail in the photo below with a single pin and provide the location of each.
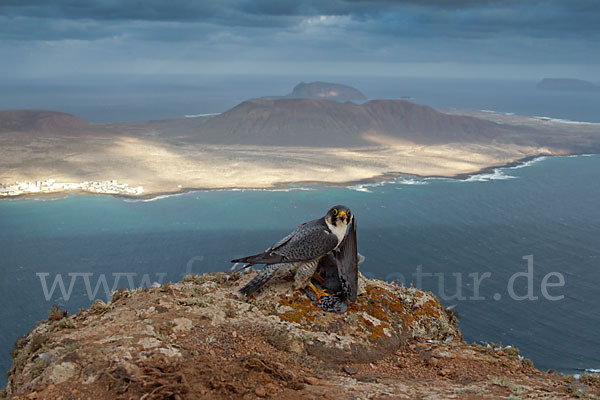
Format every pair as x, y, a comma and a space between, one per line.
259, 280
235, 268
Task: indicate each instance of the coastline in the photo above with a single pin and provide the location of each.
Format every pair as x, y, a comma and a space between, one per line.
160, 166
387, 177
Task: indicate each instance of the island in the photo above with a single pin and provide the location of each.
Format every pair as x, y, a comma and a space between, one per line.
567, 84
270, 143
326, 90
323, 90
200, 339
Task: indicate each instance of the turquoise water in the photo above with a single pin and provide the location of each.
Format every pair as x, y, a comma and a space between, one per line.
451, 228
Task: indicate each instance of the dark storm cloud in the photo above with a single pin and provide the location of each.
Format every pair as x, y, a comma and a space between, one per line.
154, 35
192, 10
527, 19
150, 10
38, 20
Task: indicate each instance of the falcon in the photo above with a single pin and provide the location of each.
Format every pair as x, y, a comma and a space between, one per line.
337, 273
301, 250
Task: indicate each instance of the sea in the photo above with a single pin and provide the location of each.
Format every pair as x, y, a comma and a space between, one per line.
515, 250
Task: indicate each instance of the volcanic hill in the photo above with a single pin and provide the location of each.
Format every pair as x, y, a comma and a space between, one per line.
41, 122
324, 123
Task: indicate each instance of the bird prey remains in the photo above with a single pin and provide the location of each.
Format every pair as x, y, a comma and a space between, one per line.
301, 250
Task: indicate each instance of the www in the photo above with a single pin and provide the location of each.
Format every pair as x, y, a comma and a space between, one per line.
100, 283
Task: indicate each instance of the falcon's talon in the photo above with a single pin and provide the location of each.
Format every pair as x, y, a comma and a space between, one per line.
319, 292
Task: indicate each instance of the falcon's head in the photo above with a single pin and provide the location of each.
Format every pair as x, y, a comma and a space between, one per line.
339, 216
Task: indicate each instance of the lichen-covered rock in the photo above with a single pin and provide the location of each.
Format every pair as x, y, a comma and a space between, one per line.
200, 338
62, 372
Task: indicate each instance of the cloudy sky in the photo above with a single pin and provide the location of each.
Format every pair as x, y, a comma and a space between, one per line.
446, 38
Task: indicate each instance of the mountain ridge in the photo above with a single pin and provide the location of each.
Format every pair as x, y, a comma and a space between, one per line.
316, 122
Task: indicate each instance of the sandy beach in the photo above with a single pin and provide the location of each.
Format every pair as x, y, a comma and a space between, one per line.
163, 168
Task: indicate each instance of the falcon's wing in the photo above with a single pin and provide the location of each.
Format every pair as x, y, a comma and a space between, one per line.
347, 263
265, 253
286, 239
311, 240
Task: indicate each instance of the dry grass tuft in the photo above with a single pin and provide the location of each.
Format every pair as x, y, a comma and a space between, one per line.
56, 314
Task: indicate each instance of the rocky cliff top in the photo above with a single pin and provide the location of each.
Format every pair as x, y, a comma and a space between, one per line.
199, 338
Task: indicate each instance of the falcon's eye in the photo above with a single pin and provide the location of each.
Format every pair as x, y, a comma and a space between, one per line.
348, 213
334, 211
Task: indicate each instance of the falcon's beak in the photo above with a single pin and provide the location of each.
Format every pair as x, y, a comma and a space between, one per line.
342, 215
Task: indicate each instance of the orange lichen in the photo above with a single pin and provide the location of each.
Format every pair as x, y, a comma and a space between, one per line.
289, 316
386, 306
379, 303
378, 309
422, 314
377, 331
382, 305
302, 307
428, 309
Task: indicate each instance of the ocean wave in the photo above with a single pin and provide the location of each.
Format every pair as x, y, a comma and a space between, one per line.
543, 118
161, 197
497, 112
563, 121
44, 199
498, 174
359, 188
201, 115
166, 196
411, 181
292, 189
593, 370
441, 178
529, 163
364, 187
